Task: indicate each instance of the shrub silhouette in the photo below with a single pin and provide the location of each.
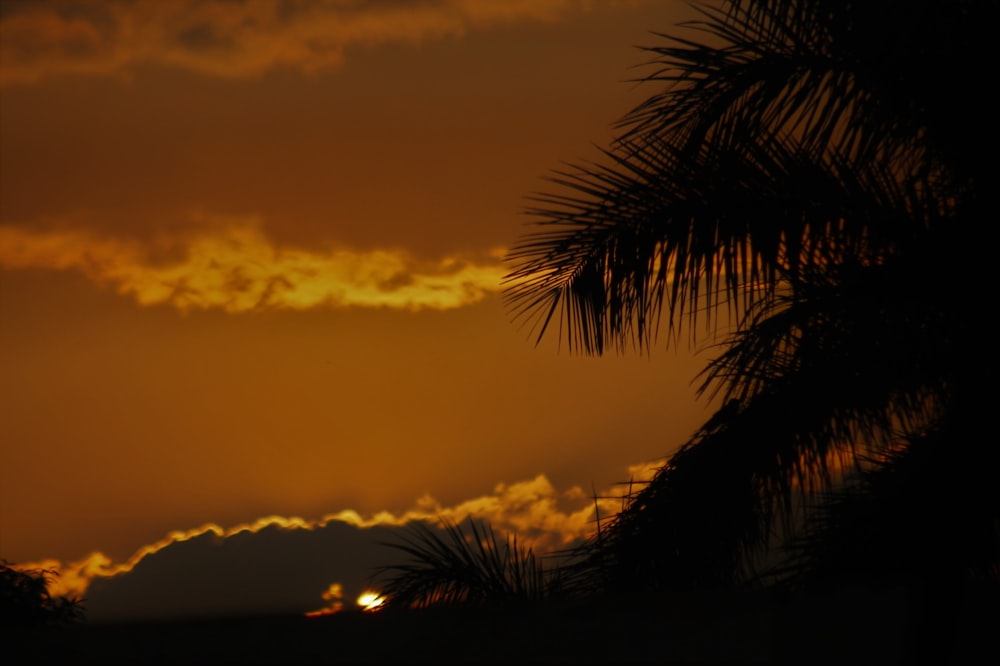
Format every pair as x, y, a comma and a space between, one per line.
25, 599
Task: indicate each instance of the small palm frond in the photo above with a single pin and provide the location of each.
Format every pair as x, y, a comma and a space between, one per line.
466, 565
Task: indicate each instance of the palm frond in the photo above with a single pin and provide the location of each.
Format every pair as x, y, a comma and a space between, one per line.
775, 134
659, 233
462, 564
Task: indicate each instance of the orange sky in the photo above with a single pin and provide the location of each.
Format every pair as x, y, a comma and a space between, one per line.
250, 259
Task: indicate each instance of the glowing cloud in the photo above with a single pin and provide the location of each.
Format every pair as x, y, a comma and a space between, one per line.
227, 39
334, 596
542, 517
236, 268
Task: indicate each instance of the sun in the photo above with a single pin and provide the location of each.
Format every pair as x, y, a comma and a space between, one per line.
370, 601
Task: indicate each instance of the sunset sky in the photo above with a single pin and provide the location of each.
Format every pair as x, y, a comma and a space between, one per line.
250, 266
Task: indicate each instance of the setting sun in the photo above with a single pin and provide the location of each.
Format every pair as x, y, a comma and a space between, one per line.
569, 331
257, 272
370, 601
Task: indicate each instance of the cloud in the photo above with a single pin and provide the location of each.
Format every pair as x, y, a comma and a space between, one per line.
289, 564
233, 266
234, 39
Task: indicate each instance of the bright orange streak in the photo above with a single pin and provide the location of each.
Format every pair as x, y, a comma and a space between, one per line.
235, 267
334, 595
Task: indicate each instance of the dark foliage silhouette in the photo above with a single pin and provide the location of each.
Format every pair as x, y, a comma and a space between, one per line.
464, 564
25, 599
812, 173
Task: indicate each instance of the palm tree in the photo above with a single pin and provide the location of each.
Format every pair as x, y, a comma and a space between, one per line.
813, 171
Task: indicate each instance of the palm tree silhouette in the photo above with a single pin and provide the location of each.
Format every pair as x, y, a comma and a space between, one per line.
815, 170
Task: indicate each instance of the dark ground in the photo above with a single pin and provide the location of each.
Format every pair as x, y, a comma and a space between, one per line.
846, 627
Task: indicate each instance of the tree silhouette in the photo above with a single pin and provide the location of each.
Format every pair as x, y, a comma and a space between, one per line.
814, 172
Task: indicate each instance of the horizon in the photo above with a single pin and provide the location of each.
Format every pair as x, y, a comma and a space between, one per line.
186, 566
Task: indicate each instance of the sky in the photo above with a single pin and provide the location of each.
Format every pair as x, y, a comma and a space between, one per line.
251, 257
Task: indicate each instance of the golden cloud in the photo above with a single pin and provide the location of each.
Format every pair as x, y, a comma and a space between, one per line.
227, 39
236, 268
543, 518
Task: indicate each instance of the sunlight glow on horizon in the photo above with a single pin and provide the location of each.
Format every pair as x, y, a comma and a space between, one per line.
528, 508
371, 601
